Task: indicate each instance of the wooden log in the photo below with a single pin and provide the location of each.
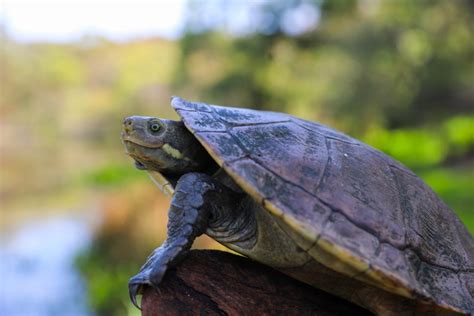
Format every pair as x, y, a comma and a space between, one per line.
211, 282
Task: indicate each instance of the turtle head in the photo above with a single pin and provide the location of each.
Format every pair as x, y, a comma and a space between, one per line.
163, 145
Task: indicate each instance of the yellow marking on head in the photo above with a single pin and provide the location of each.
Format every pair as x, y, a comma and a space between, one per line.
173, 152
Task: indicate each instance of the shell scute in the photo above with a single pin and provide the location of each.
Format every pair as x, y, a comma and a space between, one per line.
445, 286
203, 121
239, 117
393, 260
181, 104
339, 230
265, 144
225, 145
433, 230
325, 131
360, 185
309, 215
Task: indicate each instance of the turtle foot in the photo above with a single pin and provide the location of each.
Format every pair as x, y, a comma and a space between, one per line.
187, 219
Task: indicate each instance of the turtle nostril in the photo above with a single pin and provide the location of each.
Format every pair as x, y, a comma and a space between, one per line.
127, 125
127, 121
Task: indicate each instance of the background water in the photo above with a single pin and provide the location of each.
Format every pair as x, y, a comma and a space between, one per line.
37, 271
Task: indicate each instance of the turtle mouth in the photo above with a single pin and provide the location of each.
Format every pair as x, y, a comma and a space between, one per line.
145, 165
127, 140
135, 151
139, 165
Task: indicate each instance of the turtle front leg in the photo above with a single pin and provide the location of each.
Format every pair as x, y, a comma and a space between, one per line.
198, 199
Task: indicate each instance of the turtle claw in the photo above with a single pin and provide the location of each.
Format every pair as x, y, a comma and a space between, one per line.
134, 289
150, 274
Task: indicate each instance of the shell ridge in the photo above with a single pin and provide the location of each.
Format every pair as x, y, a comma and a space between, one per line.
327, 144
256, 124
401, 204
407, 172
298, 121
325, 174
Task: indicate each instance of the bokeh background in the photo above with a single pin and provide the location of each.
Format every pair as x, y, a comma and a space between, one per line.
77, 220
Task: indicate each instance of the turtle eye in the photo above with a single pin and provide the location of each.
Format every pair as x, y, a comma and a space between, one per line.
154, 127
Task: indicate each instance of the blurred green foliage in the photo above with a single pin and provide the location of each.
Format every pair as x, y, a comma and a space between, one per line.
455, 186
426, 147
397, 74
109, 175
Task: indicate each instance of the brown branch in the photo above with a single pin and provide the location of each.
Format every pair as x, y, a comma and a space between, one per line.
218, 283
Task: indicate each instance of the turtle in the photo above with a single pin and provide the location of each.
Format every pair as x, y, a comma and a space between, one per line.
307, 200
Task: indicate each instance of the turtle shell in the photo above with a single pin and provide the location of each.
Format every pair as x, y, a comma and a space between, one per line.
343, 199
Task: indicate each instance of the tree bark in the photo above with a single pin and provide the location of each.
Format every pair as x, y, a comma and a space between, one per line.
210, 282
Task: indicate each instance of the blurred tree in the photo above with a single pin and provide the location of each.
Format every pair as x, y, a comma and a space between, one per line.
387, 64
